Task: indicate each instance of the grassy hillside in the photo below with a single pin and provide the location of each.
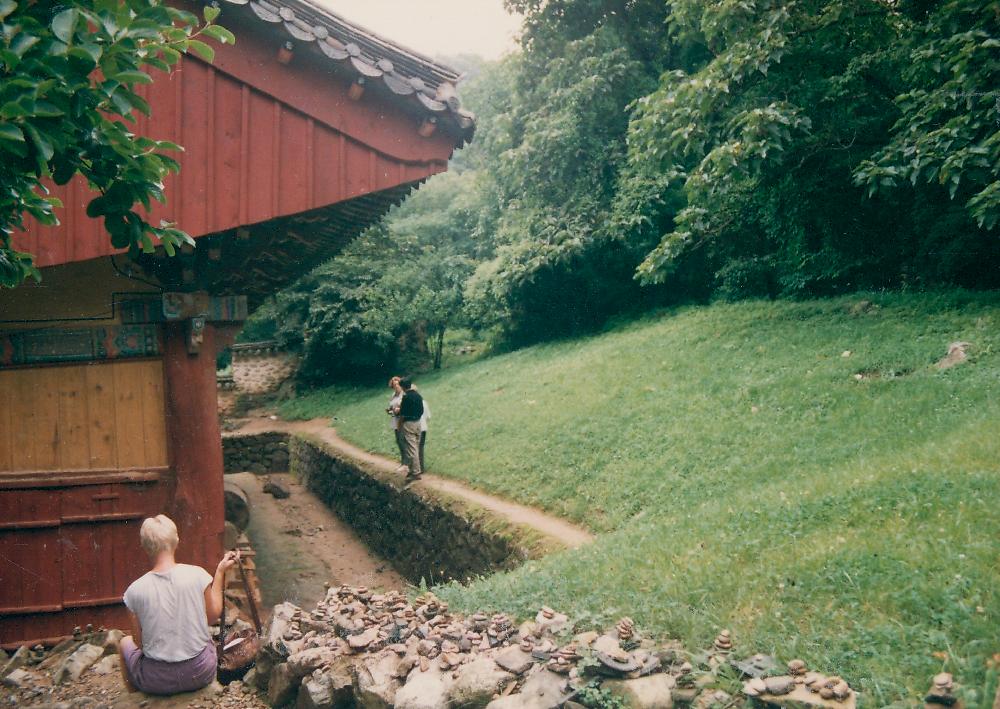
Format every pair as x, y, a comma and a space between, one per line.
742, 476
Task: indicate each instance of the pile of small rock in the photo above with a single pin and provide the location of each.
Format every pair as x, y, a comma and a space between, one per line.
83, 672
379, 650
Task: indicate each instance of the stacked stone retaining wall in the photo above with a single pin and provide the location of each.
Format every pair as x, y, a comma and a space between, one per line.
258, 453
261, 367
424, 536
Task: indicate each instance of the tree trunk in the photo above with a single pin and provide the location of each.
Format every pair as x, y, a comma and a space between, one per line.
439, 348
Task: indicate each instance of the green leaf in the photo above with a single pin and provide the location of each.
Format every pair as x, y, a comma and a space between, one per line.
211, 12
41, 142
64, 24
133, 77
45, 109
121, 103
9, 131
97, 206
7, 7
22, 43
201, 49
157, 63
170, 55
182, 16
220, 34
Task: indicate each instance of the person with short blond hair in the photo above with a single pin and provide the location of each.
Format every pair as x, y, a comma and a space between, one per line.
158, 534
172, 605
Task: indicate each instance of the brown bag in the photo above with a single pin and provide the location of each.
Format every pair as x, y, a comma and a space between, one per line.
238, 651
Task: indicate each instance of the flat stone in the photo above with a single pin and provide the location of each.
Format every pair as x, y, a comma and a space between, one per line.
552, 625
755, 666
55, 656
802, 698
302, 663
606, 644
476, 684
75, 664
586, 639
327, 690
363, 640
783, 684
711, 698
376, 683
18, 679
425, 690
514, 660
283, 685
18, 659
542, 690
652, 692
108, 664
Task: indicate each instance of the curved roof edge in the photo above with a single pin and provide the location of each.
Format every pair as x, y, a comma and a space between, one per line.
426, 84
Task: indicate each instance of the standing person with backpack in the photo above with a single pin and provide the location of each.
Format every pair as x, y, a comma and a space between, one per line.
411, 409
396, 423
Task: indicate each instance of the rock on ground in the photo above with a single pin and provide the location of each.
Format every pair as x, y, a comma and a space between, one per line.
278, 489
18, 678
652, 692
542, 690
424, 690
330, 689
476, 684
75, 664
109, 664
802, 698
283, 685
376, 684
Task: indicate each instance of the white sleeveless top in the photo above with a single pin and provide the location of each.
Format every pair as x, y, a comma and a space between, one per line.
170, 607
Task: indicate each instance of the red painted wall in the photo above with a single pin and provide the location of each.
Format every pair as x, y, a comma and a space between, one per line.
261, 140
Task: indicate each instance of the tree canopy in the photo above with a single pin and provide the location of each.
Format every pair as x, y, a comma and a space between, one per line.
637, 153
67, 96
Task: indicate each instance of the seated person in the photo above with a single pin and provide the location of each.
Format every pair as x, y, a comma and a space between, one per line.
170, 649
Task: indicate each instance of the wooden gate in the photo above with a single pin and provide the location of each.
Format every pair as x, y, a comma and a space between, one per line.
83, 459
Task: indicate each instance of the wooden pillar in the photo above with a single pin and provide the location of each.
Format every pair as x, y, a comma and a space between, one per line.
195, 445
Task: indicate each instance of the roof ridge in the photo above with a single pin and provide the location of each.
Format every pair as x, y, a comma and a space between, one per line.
424, 83
379, 38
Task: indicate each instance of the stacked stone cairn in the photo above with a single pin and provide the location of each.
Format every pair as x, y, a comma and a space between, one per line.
942, 693
379, 650
801, 687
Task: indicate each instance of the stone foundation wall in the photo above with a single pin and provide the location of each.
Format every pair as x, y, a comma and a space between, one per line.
260, 367
259, 453
425, 537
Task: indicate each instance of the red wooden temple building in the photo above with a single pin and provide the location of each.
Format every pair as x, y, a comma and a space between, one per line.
296, 139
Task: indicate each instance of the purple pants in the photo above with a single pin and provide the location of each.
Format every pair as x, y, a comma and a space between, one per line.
159, 677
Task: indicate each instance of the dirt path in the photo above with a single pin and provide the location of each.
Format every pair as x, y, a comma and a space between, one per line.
300, 545
565, 532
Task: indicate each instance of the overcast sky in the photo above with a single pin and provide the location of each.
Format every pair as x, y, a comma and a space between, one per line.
436, 27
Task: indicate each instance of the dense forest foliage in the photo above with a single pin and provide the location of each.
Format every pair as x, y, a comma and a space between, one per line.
636, 153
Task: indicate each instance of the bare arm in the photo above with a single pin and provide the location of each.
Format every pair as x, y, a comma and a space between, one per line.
213, 592
136, 629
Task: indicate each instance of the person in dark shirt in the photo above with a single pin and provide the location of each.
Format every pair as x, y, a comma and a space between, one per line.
411, 409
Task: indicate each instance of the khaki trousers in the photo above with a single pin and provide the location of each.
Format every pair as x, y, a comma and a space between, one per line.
411, 435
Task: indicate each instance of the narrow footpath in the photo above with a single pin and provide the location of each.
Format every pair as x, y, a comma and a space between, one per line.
566, 533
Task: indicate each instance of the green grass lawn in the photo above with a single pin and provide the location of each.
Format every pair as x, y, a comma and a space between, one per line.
739, 475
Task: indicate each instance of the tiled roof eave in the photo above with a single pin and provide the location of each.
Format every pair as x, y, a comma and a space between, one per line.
425, 84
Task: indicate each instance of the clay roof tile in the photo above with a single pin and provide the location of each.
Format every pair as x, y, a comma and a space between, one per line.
404, 72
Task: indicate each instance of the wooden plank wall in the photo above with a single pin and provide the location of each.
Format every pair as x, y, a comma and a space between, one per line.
95, 416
